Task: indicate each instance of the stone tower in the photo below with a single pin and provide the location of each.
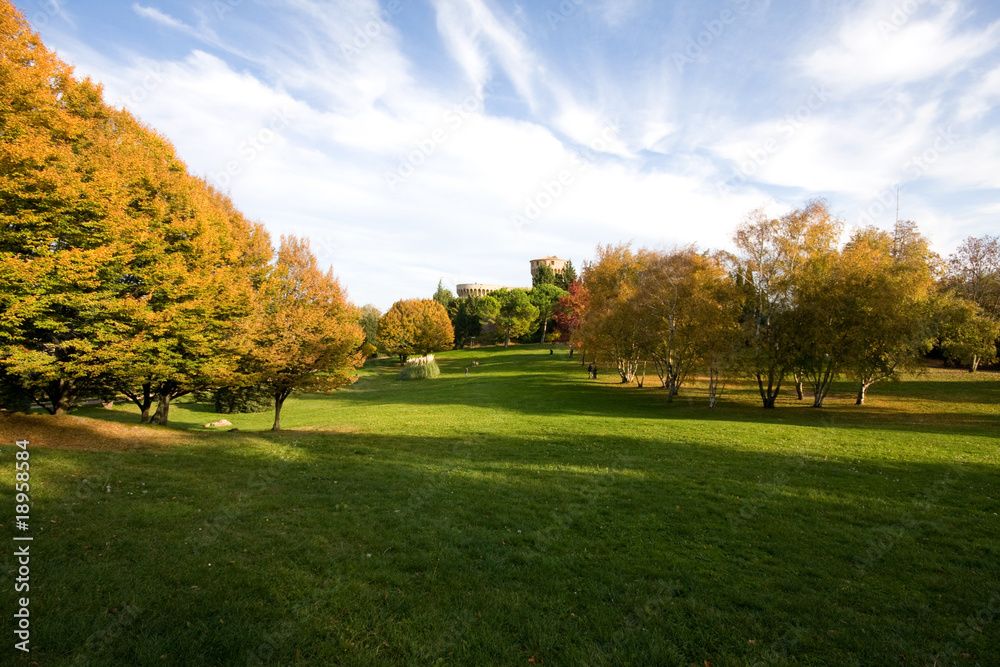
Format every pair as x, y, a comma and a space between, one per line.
557, 265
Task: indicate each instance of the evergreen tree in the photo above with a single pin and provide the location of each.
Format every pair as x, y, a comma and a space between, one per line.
511, 311
465, 319
369, 323
544, 275
567, 277
443, 295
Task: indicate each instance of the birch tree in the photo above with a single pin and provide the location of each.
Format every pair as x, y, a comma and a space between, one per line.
887, 294
615, 323
771, 255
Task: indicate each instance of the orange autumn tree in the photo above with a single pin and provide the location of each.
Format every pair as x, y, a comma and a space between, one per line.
119, 271
415, 326
305, 335
60, 249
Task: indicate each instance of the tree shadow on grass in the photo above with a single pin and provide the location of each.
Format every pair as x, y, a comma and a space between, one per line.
480, 549
553, 389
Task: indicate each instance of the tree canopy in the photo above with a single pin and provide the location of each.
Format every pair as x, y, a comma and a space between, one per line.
510, 310
119, 270
415, 326
305, 335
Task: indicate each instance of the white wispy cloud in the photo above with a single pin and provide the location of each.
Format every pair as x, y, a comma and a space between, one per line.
881, 43
303, 118
982, 98
202, 32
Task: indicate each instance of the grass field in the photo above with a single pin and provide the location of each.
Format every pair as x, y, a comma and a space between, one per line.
522, 515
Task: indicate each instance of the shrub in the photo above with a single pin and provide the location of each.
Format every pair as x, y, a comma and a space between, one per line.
230, 400
368, 350
421, 371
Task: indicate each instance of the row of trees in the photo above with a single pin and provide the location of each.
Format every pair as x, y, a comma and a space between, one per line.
123, 274
790, 304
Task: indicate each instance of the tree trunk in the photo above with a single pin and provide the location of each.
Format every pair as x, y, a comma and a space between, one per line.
821, 384
545, 328
798, 386
162, 409
279, 400
769, 395
60, 393
143, 403
506, 340
975, 363
42, 403
715, 386
861, 393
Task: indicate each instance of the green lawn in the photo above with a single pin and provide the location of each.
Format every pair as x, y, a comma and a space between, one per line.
525, 515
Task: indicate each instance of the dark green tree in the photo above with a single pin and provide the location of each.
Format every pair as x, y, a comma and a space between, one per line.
369, 323
511, 311
544, 275
545, 297
443, 295
464, 314
567, 277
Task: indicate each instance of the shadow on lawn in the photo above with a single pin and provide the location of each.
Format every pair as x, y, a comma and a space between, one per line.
484, 548
539, 384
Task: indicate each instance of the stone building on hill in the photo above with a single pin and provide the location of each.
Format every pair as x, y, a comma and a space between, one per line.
479, 289
557, 265
476, 289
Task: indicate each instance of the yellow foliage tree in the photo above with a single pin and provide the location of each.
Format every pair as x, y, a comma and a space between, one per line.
415, 326
305, 335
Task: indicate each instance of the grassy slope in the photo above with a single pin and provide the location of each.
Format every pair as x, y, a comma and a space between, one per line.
523, 513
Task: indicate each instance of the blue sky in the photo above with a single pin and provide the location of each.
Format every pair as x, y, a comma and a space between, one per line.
418, 140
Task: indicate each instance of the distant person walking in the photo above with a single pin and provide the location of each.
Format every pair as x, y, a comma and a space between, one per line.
590, 370
595, 372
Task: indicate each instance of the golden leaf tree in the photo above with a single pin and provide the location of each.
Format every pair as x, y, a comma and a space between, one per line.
305, 335
118, 269
615, 324
415, 326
